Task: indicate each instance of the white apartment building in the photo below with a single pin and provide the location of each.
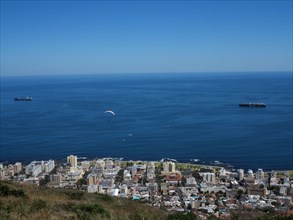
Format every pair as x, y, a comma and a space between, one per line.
100, 164
17, 167
72, 160
209, 177
169, 167
250, 173
191, 181
35, 168
240, 174
259, 175
85, 165
109, 164
56, 178
49, 166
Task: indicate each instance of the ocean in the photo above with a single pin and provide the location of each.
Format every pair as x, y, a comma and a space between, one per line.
181, 116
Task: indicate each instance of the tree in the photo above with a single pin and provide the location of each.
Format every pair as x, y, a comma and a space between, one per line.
189, 206
219, 193
44, 181
81, 182
239, 194
119, 176
129, 164
183, 181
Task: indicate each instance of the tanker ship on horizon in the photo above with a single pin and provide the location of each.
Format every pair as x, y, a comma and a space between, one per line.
23, 99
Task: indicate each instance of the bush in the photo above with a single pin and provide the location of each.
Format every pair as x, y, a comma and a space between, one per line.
270, 217
87, 211
182, 216
75, 195
38, 204
105, 198
6, 191
5, 210
43, 182
22, 208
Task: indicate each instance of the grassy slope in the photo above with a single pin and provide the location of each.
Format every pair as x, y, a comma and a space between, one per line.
30, 202
43, 203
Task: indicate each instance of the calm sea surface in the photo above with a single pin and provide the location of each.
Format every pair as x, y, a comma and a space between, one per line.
181, 116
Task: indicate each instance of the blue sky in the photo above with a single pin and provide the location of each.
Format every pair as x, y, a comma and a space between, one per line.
84, 37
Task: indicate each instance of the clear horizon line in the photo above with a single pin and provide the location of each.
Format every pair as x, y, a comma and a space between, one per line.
138, 73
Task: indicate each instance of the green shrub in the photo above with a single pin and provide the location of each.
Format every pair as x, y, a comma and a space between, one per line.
75, 195
104, 197
87, 211
22, 208
139, 215
6, 191
38, 204
5, 210
182, 216
270, 217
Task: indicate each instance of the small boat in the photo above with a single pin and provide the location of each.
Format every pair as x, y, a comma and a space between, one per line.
23, 99
252, 105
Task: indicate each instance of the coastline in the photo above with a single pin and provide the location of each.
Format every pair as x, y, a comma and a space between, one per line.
179, 163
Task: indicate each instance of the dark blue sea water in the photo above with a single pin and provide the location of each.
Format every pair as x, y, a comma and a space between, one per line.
181, 116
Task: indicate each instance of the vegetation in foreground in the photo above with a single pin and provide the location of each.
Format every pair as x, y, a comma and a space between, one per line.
32, 202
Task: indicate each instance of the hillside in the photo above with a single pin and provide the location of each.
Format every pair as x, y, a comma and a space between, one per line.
32, 202
20, 201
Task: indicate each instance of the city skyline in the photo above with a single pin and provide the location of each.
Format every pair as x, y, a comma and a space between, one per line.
74, 37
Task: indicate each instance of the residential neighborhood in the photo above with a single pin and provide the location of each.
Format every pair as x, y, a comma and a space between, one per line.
176, 187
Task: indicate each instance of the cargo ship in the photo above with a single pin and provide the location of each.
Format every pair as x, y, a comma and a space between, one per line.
252, 105
23, 99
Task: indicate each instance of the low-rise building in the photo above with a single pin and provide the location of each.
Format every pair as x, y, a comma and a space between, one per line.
190, 181
256, 190
85, 165
56, 178
173, 179
208, 177
17, 167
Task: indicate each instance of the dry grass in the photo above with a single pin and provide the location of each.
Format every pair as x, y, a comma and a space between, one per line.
55, 204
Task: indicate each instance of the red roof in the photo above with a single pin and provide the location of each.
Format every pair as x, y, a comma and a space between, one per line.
173, 177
